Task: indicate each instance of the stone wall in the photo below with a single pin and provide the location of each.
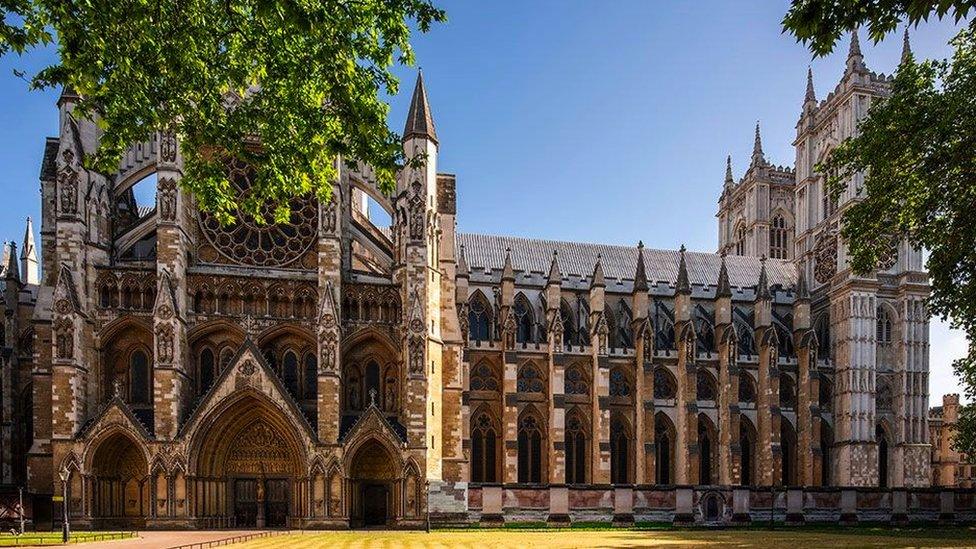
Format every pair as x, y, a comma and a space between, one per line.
624, 505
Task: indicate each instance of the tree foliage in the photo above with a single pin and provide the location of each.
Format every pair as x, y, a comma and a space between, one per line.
288, 86
917, 151
820, 23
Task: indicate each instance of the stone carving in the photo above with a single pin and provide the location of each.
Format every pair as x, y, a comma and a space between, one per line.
416, 207
327, 354
164, 344
329, 214
259, 450
167, 199
64, 331
250, 242
68, 183
416, 350
167, 146
247, 368
825, 253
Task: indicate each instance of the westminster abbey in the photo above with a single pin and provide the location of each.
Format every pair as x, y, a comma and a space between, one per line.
161, 370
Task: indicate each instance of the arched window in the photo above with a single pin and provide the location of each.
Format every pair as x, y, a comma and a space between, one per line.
705, 386
665, 386
623, 335
483, 377
705, 335
785, 348
822, 328
576, 382
746, 342
707, 445
523, 319
575, 449
619, 384
619, 451
663, 449
569, 324
371, 393
311, 376
206, 367
479, 318
787, 443
882, 438
787, 392
747, 389
140, 378
289, 371
740, 239
883, 327
227, 355
826, 396
778, 238
483, 449
529, 449
664, 327
747, 445
826, 443
529, 380
883, 400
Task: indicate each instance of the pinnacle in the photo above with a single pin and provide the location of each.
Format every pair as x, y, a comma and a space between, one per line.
420, 121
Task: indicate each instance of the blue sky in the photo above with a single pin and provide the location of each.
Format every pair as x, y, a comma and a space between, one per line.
564, 119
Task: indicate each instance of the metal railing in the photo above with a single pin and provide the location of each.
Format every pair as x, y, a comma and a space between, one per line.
234, 539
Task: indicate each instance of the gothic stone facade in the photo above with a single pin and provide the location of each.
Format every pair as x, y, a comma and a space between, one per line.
165, 371
949, 466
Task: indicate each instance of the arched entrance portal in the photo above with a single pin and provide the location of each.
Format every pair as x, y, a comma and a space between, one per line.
119, 483
249, 466
373, 477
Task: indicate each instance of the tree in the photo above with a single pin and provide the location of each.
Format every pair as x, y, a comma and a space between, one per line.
917, 151
287, 86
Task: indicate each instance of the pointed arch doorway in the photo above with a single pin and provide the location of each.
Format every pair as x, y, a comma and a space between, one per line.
374, 488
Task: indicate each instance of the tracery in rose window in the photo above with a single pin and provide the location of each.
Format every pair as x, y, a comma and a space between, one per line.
249, 242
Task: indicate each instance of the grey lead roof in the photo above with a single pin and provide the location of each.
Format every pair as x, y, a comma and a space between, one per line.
487, 252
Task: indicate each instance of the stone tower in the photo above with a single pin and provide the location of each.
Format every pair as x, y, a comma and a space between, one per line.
872, 328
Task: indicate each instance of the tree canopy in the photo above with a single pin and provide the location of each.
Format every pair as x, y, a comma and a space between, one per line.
917, 151
287, 86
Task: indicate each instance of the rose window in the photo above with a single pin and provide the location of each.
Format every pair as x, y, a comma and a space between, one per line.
264, 245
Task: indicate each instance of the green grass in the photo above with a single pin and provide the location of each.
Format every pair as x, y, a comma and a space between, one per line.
54, 538
565, 538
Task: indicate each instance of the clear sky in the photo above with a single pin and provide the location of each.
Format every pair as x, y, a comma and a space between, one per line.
564, 119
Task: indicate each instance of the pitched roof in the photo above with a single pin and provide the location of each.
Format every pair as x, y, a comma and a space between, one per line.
487, 252
49, 164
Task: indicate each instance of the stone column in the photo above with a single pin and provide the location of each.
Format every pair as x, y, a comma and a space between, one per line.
769, 453
808, 459
686, 439
643, 354
600, 374
729, 452
557, 398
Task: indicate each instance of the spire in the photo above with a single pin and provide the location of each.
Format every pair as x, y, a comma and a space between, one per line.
554, 276
640, 277
29, 272
508, 273
11, 270
462, 268
906, 47
762, 288
598, 278
757, 151
811, 94
682, 285
729, 180
724, 289
420, 122
802, 292
854, 58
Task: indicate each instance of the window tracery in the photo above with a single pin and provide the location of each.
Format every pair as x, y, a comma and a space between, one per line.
778, 238
619, 384
480, 318
524, 319
576, 382
529, 449
261, 244
483, 449
483, 378
705, 386
575, 450
665, 386
529, 380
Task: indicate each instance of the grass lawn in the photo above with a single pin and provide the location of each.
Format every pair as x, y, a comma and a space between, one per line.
54, 538
798, 538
